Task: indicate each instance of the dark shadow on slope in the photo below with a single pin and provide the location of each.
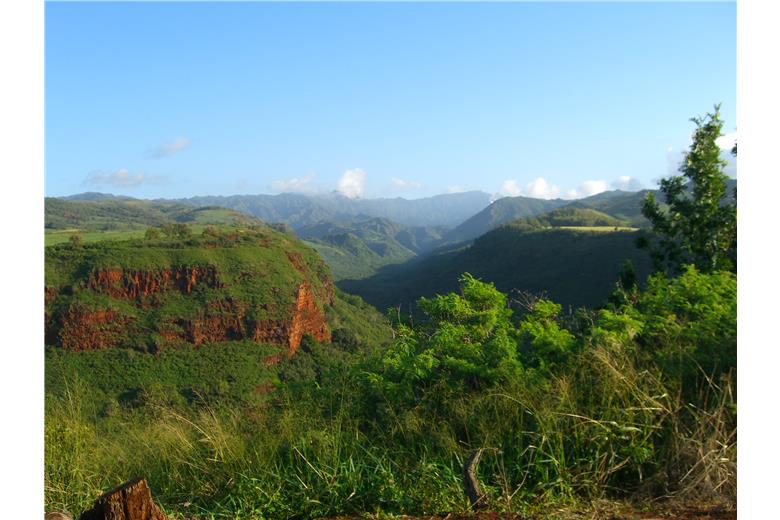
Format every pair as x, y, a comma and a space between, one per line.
572, 267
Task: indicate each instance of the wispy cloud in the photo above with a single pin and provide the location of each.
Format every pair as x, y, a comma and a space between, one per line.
587, 189
121, 178
539, 188
170, 148
455, 189
294, 185
401, 184
352, 183
627, 183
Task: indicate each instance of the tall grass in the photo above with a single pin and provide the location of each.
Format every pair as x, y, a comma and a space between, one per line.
608, 424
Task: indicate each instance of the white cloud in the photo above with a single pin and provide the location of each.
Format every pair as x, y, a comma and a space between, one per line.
510, 188
352, 184
294, 185
539, 188
627, 183
455, 189
169, 148
587, 189
401, 184
726, 142
121, 178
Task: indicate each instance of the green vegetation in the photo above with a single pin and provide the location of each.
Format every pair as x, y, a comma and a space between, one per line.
582, 375
116, 379
112, 219
699, 223
251, 263
500, 212
575, 267
573, 217
600, 404
348, 257
247, 276
357, 248
622, 205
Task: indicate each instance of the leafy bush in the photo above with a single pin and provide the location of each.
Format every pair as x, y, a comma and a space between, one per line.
638, 402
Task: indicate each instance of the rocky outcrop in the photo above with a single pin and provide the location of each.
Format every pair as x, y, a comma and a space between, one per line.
227, 320
130, 284
223, 320
296, 260
113, 307
307, 318
91, 329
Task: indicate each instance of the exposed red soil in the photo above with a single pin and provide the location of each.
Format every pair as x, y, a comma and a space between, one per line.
130, 284
223, 320
88, 329
49, 294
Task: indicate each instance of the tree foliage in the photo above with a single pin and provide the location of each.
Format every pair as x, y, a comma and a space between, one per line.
698, 226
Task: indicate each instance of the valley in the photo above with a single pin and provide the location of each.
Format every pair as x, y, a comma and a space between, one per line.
381, 261
203, 342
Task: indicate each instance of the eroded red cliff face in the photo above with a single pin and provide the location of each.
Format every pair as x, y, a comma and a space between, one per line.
129, 284
226, 319
89, 329
307, 318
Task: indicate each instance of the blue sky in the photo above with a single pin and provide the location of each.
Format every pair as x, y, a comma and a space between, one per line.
378, 100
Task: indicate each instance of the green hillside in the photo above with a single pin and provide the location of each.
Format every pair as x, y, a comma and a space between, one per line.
499, 212
117, 219
570, 217
622, 205
574, 267
357, 248
246, 294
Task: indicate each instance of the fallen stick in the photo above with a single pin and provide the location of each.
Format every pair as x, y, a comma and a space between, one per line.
470, 482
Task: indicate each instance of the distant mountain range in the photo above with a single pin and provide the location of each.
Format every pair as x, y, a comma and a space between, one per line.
457, 217
301, 210
622, 205
359, 237
297, 210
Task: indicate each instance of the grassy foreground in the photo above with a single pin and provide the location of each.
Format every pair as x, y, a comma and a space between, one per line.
634, 401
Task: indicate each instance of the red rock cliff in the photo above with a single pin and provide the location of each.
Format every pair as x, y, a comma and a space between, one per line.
227, 319
131, 283
307, 318
88, 329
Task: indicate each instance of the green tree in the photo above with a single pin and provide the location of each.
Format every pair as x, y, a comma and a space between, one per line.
152, 233
75, 240
176, 230
543, 341
698, 226
467, 338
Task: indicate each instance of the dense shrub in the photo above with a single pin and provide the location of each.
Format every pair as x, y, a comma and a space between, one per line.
638, 402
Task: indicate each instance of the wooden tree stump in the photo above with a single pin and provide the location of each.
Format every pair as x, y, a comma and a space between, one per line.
129, 501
